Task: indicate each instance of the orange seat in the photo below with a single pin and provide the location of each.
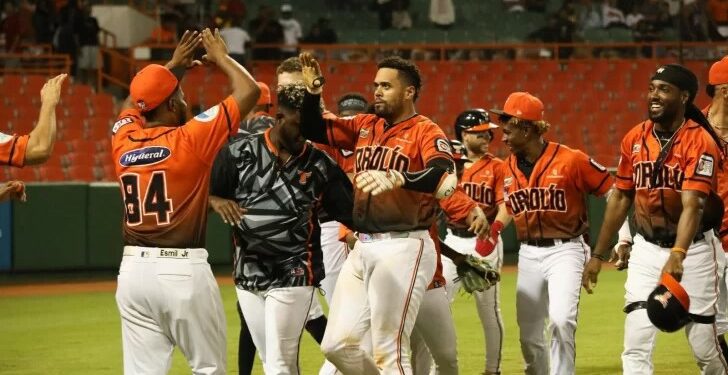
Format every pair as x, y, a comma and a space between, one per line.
80, 173
51, 173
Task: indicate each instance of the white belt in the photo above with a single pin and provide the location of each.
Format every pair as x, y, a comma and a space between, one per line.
166, 253
371, 237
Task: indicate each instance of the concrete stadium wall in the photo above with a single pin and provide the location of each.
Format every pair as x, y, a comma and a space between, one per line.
70, 226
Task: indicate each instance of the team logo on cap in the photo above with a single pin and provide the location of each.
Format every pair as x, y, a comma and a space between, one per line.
663, 298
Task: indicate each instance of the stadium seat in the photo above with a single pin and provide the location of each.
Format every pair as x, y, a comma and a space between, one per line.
80, 173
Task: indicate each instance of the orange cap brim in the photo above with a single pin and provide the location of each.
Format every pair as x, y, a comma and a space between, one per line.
676, 290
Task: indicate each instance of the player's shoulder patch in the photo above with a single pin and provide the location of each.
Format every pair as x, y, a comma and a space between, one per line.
443, 145
5, 138
209, 115
705, 166
120, 123
596, 165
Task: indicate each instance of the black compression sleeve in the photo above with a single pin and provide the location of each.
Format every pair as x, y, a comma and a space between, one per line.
313, 125
338, 199
427, 180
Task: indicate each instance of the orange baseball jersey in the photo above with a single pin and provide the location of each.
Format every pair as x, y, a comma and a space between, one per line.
552, 202
12, 149
164, 174
405, 146
483, 182
691, 164
457, 206
722, 190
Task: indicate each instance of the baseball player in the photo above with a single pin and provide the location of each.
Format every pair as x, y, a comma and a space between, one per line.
36, 147
482, 180
259, 119
166, 293
545, 187
668, 169
403, 165
281, 182
717, 115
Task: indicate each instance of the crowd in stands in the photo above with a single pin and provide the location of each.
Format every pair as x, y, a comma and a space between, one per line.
69, 29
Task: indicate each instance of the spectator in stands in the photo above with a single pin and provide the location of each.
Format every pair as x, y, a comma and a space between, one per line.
266, 30
612, 16
292, 31
697, 24
237, 40
321, 33
384, 10
235, 9
719, 10
514, 5
656, 13
11, 27
70, 26
43, 22
588, 15
88, 60
401, 19
559, 28
166, 32
442, 13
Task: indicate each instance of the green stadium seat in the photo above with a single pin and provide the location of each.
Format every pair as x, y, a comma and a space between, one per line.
596, 35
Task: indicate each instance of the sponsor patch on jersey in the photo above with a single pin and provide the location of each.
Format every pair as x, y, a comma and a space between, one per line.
705, 166
596, 165
346, 153
363, 133
5, 138
443, 145
144, 156
208, 115
508, 181
120, 123
636, 148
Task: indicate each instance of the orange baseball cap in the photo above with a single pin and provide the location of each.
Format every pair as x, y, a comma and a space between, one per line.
718, 73
264, 94
523, 106
151, 86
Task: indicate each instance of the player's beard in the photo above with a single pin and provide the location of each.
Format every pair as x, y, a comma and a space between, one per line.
666, 116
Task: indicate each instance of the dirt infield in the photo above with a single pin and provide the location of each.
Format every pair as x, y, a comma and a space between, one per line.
59, 288
52, 289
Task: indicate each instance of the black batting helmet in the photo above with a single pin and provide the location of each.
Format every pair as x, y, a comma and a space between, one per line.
476, 119
668, 305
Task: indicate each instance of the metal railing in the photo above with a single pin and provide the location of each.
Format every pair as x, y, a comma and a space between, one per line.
36, 64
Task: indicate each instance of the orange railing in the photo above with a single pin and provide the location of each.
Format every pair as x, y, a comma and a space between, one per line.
107, 38
105, 72
41, 64
480, 51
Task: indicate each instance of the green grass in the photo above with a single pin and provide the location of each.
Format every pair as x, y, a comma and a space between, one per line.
80, 334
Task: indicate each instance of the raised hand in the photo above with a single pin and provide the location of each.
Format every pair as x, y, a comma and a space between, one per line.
13, 190
183, 54
51, 91
312, 77
214, 46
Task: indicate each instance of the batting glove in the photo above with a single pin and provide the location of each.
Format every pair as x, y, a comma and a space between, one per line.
485, 247
377, 182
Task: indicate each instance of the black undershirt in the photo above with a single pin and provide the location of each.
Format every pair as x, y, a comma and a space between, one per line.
526, 166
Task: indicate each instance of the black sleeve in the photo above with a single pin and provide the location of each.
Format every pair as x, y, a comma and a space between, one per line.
338, 198
223, 175
427, 180
313, 125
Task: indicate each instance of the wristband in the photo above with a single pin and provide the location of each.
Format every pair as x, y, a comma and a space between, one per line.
679, 250
601, 257
496, 228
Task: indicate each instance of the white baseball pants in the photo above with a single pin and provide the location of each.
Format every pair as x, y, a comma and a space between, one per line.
169, 297
276, 319
700, 280
380, 287
334, 255
434, 336
548, 287
487, 302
